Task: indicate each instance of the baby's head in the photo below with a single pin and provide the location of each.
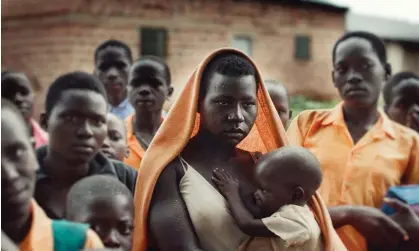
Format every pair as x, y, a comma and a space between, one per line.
104, 203
115, 144
288, 175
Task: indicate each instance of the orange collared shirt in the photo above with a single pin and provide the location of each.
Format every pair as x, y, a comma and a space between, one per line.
136, 151
361, 173
40, 236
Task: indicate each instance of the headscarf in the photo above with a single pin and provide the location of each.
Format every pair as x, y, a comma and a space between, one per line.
182, 123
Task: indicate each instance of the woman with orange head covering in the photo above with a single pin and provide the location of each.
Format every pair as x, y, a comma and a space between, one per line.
221, 119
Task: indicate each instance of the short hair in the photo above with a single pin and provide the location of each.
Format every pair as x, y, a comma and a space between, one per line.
272, 82
72, 81
395, 80
229, 64
7, 104
159, 61
376, 42
114, 43
4, 74
91, 187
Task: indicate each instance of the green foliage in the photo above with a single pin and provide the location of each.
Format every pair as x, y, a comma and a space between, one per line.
301, 103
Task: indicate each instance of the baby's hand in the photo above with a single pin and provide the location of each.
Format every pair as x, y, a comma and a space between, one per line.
226, 183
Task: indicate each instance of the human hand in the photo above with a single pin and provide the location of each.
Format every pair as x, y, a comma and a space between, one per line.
407, 218
380, 231
226, 183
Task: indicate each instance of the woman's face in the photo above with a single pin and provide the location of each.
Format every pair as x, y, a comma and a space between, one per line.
358, 73
229, 108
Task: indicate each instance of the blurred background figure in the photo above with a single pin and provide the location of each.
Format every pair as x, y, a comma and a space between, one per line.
279, 95
401, 98
16, 87
115, 144
113, 59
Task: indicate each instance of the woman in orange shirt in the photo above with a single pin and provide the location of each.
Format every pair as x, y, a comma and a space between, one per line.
362, 151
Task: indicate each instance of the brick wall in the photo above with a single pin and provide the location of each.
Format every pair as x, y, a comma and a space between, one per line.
47, 45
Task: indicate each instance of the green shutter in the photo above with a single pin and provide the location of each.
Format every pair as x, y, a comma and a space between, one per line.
153, 41
302, 47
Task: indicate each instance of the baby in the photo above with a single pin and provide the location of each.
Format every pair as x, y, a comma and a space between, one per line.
287, 179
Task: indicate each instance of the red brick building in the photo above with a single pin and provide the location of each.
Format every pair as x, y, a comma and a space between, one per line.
290, 40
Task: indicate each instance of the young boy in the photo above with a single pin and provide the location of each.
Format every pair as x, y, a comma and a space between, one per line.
75, 117
16, 87
23, 221
115, 144
401, 97
107, 206
113, 59
288, 178
279, 95
149, 87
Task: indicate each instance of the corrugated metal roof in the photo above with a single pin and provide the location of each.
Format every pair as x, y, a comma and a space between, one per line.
389, 29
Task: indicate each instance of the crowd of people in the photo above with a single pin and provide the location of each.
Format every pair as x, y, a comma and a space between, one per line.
106, 168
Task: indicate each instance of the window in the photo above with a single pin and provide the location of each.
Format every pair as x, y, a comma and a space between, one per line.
243, 43
302, 47
153, 41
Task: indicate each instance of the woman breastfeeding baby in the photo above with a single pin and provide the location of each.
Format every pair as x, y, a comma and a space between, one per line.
221, 122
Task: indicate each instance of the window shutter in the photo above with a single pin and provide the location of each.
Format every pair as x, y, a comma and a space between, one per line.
153, 41
302, 47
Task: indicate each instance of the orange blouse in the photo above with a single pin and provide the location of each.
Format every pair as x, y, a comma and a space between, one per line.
361, 173
136, 151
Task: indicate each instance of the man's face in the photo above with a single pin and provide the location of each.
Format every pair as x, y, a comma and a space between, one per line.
80, 118
112, 68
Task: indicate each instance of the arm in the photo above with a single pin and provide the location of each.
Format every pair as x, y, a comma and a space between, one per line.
229, 187
378, 229
169, 220
340, 215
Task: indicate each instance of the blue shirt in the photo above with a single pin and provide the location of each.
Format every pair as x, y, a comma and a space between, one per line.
123, 110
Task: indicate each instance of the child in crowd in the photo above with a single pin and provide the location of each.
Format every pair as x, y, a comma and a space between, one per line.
113, 60
107, 205
401, 97
279, 96
115, 144
149, 86
23, 221
75, 117
16, 87
287, 179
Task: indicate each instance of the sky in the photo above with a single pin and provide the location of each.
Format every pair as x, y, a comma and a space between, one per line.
398, 9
